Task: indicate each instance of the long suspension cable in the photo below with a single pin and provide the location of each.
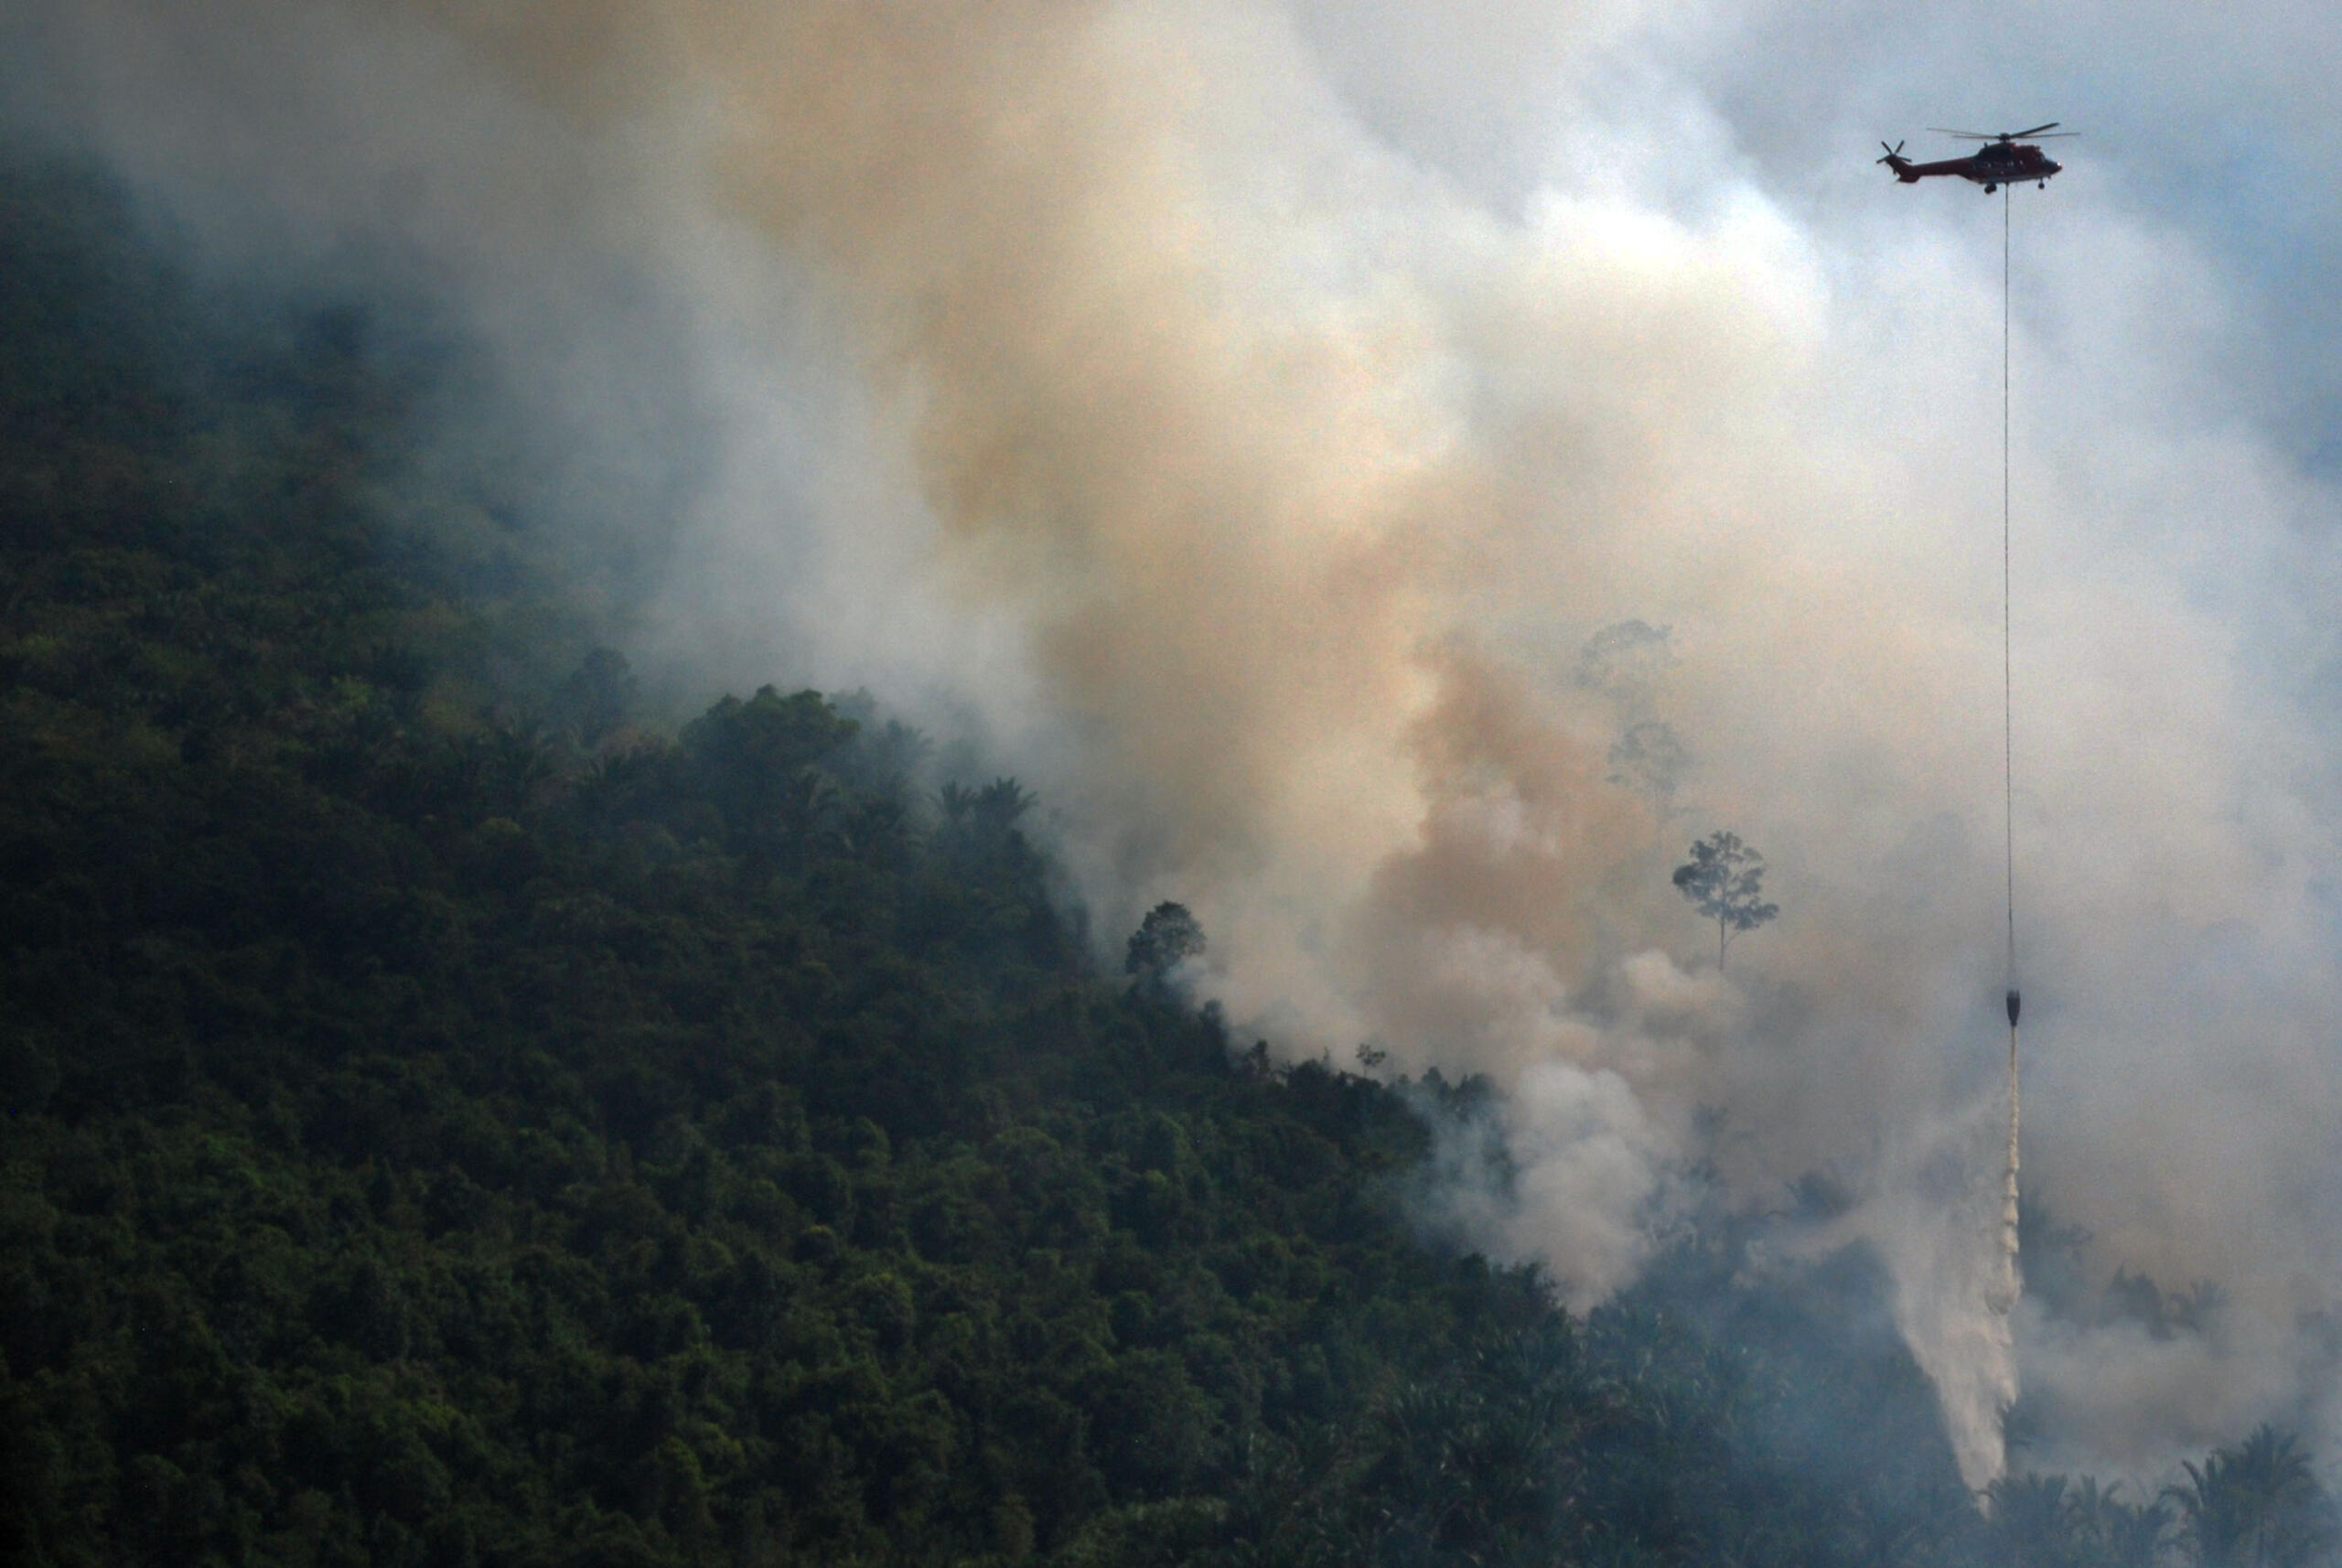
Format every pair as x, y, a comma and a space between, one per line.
2011, 1212
2008, 667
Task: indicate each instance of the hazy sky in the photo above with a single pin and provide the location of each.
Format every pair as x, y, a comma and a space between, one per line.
2214, 125
1241, 417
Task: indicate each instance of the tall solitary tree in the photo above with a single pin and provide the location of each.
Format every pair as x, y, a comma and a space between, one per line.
1726, 880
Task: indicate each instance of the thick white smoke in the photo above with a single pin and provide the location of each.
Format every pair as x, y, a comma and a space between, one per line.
1164, 384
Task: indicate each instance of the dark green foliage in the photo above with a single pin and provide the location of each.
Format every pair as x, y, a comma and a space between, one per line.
437, 1137
434, 1136
599, 697
1168, 936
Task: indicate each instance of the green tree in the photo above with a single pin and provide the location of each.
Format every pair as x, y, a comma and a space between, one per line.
2031, 1520
2256, 1505
2106, 1532
1724, 879
599, 697
1168, 935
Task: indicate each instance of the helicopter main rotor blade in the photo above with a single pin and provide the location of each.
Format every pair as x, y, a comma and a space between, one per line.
1965, 135
2012, 136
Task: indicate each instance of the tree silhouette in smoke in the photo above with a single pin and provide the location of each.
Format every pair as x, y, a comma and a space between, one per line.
1626, 662
1651, 762
596, 700
2257, 1505
1726, 879
1168, 935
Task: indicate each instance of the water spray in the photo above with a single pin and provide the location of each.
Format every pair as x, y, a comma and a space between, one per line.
2011, 1282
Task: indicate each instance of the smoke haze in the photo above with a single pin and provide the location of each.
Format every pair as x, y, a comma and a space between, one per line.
1243, 417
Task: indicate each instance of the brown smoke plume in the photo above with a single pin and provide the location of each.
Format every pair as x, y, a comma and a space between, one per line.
1303, 480
1196, 412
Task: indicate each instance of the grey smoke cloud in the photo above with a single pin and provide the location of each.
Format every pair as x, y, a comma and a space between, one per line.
1248, 414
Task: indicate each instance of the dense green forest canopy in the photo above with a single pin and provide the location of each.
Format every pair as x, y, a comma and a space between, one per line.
455, 1117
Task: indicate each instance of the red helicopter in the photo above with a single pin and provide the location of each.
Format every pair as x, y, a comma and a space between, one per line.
2002, 160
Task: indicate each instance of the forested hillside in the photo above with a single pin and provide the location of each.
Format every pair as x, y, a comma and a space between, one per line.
455, 1117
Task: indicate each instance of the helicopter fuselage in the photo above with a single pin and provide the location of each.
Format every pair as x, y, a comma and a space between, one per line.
1991, 166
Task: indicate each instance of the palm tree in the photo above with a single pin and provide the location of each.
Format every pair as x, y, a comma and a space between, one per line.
2108, 1532
2254, 1506
2028, 1513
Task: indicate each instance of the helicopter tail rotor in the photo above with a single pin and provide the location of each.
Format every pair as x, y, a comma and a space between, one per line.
1894, 155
